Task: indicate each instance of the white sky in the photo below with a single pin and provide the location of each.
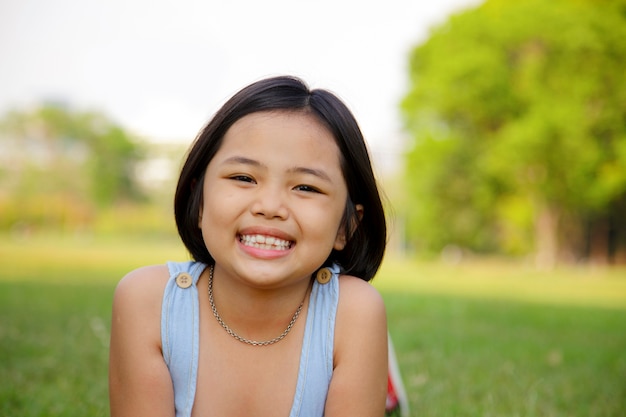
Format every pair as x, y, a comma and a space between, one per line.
162, 68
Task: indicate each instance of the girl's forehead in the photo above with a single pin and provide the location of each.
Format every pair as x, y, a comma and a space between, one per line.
281, 130
281, 139
268, 119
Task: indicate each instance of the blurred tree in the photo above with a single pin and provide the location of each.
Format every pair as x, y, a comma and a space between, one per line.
59, 165
517, 112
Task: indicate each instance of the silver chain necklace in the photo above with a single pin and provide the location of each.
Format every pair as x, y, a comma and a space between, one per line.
243, 339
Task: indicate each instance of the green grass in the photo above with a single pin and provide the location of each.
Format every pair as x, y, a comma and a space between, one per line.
55, 307
482, 338
54, 349
499, 339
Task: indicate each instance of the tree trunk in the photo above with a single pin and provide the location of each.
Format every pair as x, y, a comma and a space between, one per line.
618, 231
599, 241
546, 237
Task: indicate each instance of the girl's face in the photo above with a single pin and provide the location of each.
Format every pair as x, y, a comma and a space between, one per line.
274, 197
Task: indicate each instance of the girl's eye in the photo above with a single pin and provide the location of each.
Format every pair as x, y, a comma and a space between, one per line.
243, 178
306, 188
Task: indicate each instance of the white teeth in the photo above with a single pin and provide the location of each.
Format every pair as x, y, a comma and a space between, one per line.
265, 242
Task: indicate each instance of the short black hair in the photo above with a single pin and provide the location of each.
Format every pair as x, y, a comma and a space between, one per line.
365, 246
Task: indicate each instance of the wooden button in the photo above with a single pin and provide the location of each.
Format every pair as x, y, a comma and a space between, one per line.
323, 275
184, 280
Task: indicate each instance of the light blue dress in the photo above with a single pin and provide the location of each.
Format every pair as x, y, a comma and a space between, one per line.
180, 338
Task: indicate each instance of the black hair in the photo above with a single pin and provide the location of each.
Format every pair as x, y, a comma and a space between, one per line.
365, 247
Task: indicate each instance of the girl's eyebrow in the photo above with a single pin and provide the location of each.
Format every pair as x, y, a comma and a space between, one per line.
319, 173
311, 171
242, 160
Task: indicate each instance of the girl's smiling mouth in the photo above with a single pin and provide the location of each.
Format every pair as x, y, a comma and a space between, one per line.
265, 242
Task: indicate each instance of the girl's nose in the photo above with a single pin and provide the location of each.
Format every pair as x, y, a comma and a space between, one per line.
270, 202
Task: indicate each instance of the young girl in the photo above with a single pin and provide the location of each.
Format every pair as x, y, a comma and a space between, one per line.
279, 208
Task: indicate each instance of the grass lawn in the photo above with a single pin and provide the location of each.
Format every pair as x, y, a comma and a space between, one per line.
476, 339
498, 339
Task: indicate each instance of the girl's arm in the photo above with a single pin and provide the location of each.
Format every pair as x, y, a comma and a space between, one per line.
359, 383
139, 381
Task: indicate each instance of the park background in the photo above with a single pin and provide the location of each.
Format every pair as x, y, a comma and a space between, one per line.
497, 130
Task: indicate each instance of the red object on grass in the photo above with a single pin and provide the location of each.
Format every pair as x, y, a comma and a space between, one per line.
392, 397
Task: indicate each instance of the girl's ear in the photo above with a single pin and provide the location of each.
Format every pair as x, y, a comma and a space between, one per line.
342, 237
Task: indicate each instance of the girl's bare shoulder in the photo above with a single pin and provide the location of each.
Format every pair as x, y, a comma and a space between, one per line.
359, 296
361, 309
359, 382
143, 286
139, 381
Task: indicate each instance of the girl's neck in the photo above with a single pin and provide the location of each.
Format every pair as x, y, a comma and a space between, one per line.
254, 313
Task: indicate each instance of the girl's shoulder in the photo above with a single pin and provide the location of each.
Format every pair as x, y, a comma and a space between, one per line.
359, 381
360, 309
359, 296
137, 373
142, 287
146, 276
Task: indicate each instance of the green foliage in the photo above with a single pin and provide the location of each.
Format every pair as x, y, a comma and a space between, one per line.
516, 108
62, 165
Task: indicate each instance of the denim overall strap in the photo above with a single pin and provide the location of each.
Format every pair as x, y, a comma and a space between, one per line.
180, 331
316, 359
